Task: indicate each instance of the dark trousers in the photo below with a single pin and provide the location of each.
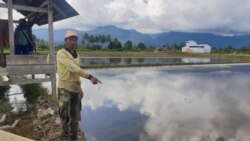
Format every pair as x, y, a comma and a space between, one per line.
70, 106
21, 49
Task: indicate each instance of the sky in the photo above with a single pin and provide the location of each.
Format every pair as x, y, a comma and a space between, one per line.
156, 16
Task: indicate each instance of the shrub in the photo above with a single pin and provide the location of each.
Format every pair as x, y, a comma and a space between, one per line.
33, 91
4, 101
3, 90
5, 106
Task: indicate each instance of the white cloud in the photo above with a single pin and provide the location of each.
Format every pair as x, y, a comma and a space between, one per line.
224, 16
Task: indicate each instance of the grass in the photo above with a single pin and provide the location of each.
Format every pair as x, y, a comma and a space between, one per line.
33, 91
90, 53
243, 58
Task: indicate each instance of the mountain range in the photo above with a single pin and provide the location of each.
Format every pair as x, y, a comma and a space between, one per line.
155, 40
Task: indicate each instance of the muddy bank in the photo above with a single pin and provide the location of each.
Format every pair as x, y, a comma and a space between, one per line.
41, 122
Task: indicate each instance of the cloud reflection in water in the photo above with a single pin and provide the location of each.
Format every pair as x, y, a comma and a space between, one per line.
181, 104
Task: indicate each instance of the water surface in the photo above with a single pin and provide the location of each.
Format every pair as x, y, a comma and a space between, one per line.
121, 61
168, 104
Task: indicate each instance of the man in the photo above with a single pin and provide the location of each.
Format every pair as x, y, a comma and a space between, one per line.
69, 88
23, 37
20, 38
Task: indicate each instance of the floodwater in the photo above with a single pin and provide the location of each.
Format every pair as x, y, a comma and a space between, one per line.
202, 103
168, 103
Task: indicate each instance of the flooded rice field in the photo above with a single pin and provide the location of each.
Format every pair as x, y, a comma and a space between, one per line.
202, 103
167, 103
138, 61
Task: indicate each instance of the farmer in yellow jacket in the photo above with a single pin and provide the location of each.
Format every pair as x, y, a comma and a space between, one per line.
69, 88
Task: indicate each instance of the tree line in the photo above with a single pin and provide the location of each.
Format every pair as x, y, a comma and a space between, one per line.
106, 42
231, 49
97, 42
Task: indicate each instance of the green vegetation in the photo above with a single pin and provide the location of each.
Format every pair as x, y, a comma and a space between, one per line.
3, 90
4, 101
33, 91
104, 43
5, 106
231, 49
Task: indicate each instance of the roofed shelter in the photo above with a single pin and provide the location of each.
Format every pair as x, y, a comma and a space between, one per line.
39, 12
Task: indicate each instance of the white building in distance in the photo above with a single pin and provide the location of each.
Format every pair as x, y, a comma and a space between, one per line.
193, 47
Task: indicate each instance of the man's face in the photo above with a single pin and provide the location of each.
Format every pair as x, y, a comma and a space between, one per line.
71, 42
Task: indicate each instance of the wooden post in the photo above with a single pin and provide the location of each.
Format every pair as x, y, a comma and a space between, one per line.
51, 45
1, 51
10, 23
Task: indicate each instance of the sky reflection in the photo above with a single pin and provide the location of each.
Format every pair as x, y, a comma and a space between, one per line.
168, 104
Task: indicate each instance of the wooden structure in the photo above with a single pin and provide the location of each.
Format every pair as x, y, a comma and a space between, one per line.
6, 136
40, 12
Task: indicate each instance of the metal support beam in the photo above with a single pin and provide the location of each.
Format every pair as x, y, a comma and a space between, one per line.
10, 23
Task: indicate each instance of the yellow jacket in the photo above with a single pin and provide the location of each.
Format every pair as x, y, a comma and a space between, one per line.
69, 71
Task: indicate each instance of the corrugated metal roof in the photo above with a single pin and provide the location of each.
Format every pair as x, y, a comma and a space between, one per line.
42, 18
